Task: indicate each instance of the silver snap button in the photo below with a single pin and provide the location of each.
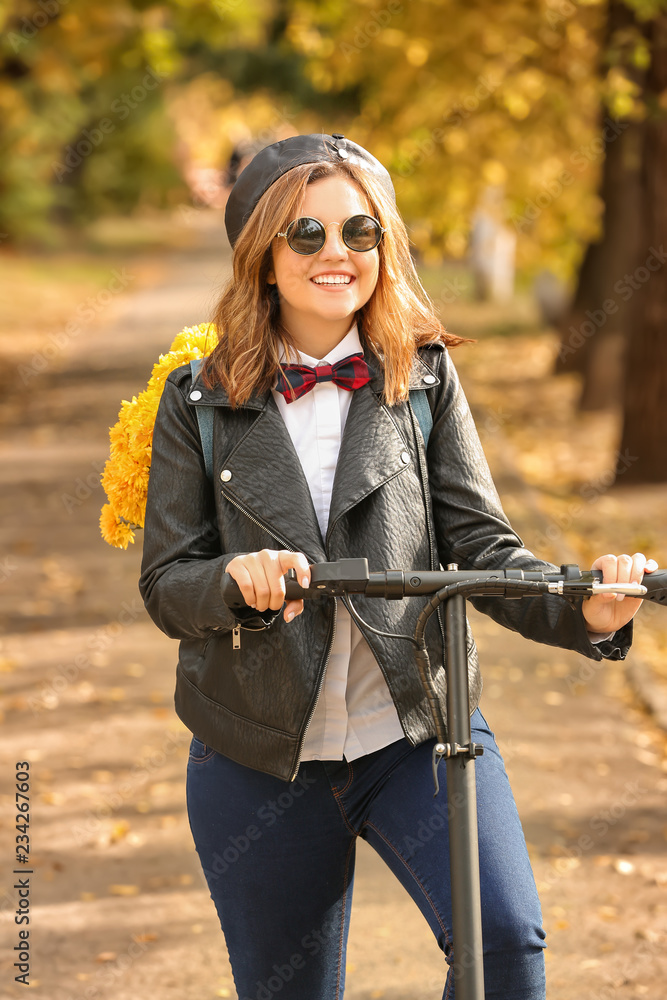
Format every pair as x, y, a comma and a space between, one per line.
405, 457
429, 379
225, 475
195, 394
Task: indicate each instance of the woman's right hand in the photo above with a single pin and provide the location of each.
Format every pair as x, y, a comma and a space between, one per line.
260, 577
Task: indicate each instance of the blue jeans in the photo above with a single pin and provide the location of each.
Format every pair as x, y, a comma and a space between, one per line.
279, 862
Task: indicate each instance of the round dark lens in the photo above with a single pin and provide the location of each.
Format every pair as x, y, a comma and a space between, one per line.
361, 232
306, 235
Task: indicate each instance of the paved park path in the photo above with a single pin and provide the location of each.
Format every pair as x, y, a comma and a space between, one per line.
118, 907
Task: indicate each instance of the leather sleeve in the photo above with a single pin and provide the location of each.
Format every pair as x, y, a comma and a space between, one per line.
473, 531
182, 567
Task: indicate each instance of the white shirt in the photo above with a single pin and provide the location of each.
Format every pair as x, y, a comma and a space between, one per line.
355, 714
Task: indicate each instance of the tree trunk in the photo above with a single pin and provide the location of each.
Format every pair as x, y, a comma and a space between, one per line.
643, 452
593, 335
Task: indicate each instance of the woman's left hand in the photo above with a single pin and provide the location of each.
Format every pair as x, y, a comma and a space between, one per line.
609, 612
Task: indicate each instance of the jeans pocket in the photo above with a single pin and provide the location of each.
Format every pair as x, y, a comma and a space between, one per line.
199, 751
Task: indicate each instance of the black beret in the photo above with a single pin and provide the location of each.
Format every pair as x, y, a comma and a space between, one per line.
273, 161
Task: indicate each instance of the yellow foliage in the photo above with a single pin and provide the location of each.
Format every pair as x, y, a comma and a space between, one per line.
125, 476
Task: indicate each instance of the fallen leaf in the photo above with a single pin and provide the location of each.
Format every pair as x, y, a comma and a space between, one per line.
123, 890
52, 798
106, 956
119, 830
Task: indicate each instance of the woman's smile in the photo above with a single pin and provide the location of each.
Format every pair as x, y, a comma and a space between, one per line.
340, 280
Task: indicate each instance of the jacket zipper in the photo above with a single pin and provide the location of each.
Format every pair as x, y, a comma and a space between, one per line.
236, 631
287, 545
260, 524
302, 739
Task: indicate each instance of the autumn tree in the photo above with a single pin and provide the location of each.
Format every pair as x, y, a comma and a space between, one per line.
593, 333
643, 437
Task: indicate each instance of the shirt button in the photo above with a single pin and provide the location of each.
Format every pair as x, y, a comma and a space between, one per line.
405, 457
225, 475
429, 379
195, 394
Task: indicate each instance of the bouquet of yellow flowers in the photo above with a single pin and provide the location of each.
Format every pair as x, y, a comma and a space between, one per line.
125, 476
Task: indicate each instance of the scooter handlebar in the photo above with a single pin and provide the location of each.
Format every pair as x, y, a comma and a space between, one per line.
351, 576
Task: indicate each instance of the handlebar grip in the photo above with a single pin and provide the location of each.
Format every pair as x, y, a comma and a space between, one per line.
231, 594
656, 586
233, 598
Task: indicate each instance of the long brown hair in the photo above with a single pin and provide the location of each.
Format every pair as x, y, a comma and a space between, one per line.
398, 318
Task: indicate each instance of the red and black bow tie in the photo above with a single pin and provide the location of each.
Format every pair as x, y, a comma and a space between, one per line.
349, 373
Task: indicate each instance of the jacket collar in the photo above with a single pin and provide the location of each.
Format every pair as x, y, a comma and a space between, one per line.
268, 482
422, 376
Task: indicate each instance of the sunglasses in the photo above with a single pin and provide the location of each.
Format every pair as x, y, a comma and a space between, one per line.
359, 232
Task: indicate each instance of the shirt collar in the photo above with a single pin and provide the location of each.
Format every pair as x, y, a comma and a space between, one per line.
350, 344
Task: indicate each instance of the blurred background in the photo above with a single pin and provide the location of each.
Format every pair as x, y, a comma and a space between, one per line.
527, 142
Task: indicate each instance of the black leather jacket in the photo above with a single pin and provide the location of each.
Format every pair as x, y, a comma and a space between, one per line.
391, 502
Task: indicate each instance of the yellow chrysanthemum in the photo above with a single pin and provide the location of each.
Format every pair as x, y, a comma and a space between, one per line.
125, 476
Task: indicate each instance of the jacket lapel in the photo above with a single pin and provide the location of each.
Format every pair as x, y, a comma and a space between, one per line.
268, 482
370, 453
267, 479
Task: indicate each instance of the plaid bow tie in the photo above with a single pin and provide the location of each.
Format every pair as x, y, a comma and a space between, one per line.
349, 373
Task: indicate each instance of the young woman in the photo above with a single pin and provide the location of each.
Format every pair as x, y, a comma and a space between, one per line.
308, 732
